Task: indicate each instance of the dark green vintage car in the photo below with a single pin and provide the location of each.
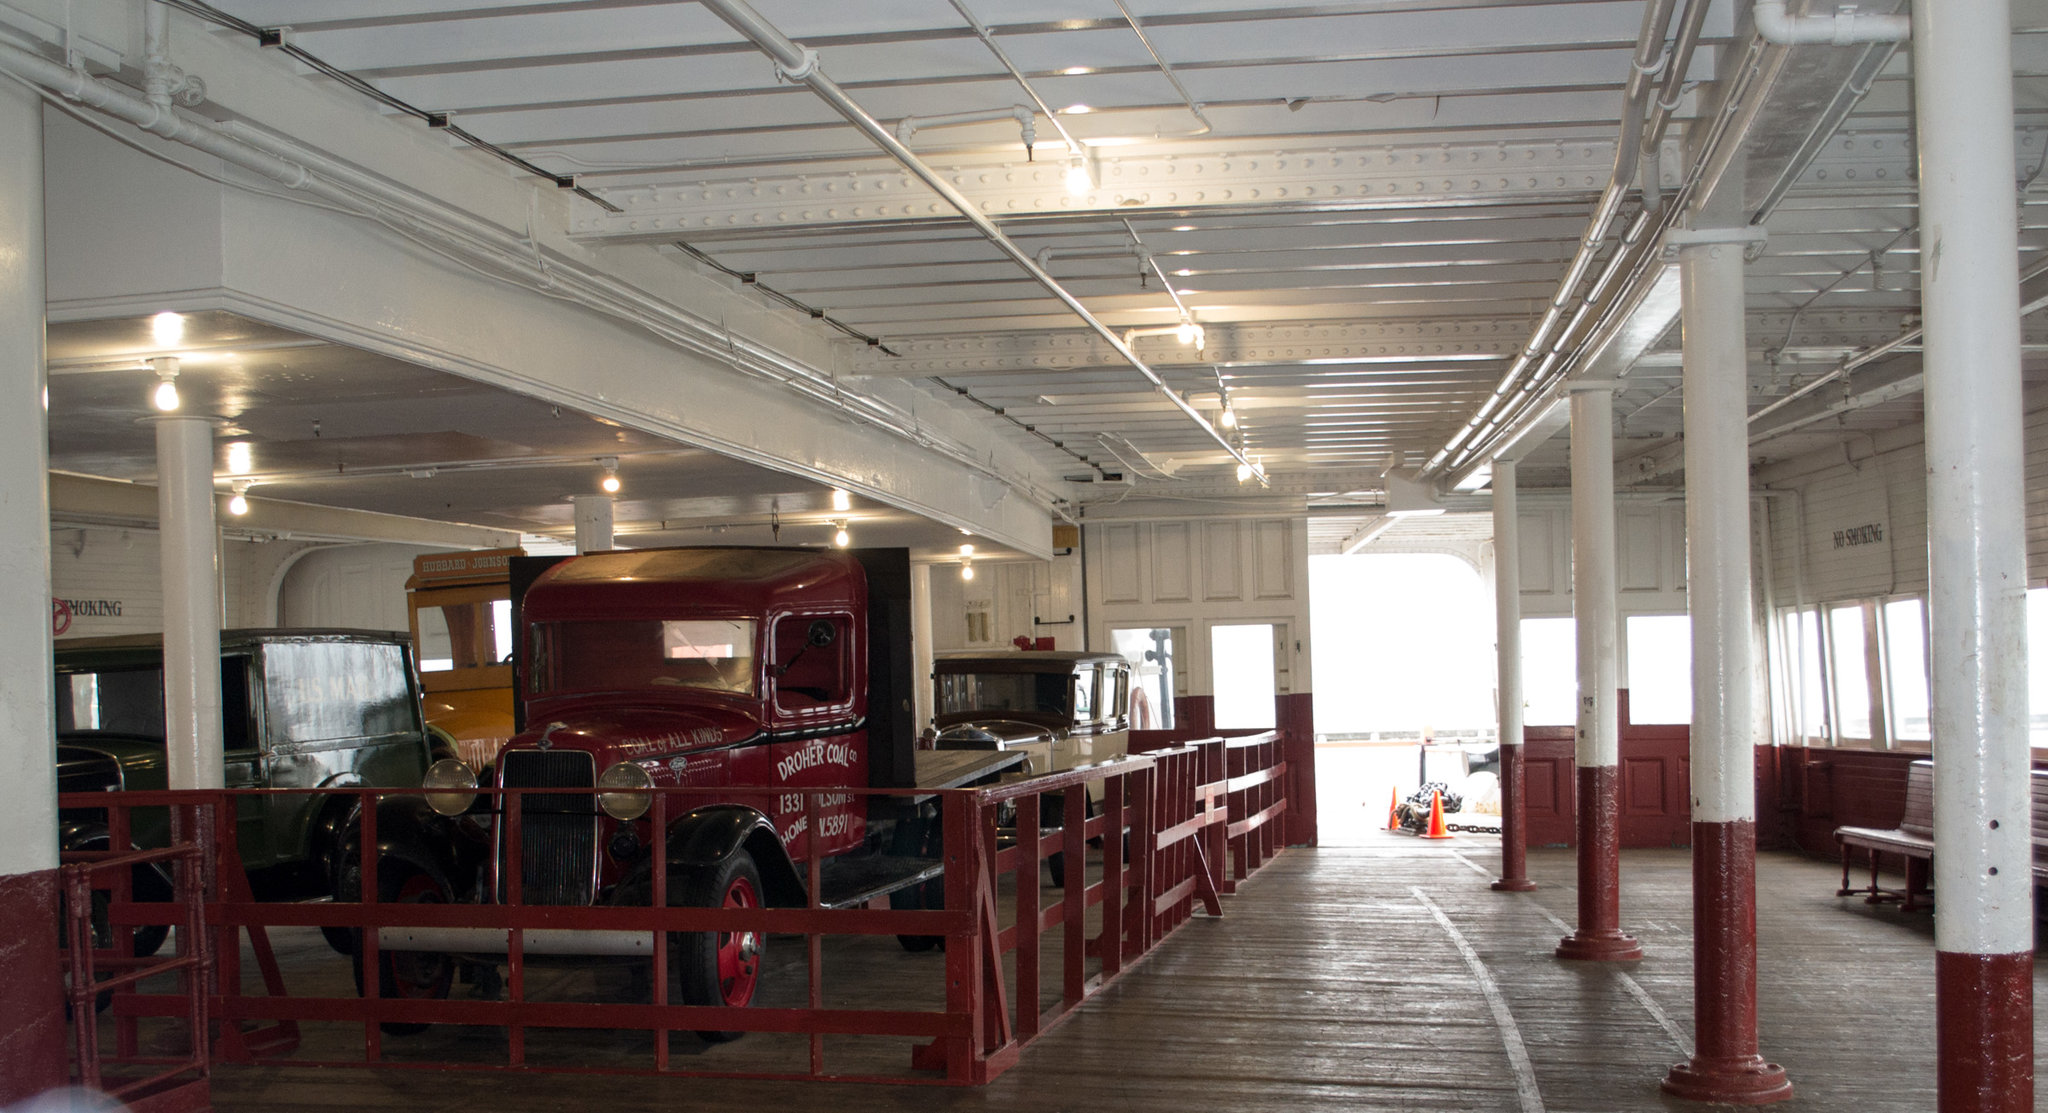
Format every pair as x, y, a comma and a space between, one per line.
299, 709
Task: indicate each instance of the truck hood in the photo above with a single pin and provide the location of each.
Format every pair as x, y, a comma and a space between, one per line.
634, 733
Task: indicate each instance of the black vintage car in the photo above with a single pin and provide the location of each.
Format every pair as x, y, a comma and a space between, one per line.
299, 709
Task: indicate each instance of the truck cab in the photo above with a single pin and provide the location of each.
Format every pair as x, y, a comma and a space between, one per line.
461, 614
1060, 709
769, 677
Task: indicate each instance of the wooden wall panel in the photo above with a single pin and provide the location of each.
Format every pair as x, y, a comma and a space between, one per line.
1173, 563
1272, 560
1222, 563
1119, 555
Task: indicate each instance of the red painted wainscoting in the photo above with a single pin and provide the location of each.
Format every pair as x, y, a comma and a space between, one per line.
1656, 784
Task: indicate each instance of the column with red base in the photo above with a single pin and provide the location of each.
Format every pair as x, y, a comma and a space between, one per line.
32, 1054
1725, 1066
1977, 558
1507, 612
1599, 936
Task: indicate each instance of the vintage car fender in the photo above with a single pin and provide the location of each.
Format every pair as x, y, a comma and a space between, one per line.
707, 836
410, 832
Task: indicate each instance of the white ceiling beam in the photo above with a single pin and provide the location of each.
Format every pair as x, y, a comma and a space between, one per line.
1380, 176
83, 500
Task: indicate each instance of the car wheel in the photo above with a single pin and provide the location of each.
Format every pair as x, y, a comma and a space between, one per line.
409, 975
719, 967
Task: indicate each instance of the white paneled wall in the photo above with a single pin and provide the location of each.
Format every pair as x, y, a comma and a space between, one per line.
1649, 537
1004, 601
110, 583
1197, 574
1853, 524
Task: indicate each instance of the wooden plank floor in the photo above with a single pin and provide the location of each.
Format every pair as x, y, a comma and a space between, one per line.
1358, 980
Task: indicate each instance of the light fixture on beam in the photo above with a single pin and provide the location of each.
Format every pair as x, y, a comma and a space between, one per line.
610, 483
841, 538
238, 505
966, 569
165, 396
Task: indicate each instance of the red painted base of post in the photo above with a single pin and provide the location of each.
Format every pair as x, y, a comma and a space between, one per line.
1984, 1032
1514, 832
1599, 937
32, 1056
1726, 1067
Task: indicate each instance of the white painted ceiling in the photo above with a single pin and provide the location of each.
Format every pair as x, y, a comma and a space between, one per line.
1367, 205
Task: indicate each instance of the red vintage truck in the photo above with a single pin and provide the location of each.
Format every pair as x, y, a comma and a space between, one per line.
768, 672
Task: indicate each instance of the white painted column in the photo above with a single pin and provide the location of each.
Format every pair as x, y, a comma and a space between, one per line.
1725, 1066
921, 653
593, 522
1977, 560
190, 564
1507, 622
32, 1039
1594, 604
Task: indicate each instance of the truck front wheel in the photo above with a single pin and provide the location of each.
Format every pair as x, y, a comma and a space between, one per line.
719, 968
408, 975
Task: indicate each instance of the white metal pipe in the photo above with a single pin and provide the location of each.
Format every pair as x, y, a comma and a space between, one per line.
593, 522
28, 826
1846, 27
1976, 468
800, 65
1507, 599
988, 39
1594, 601
190, 561
1716, 386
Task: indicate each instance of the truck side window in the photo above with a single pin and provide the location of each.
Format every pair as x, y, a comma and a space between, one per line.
812, 675
1084, 695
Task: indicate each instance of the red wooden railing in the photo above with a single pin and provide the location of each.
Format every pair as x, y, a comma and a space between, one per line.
1003, 980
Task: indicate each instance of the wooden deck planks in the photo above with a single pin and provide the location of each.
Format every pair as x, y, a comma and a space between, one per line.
1329, 986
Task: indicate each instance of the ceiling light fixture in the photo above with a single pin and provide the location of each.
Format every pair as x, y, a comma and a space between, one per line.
841, 538
610, 482
1076, 110
168, 329
1076, 71
165, 396
239, 504
1244, 472
966, 569
1079, 181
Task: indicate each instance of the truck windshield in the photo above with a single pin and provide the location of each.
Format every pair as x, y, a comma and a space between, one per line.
1041, 693
711, 654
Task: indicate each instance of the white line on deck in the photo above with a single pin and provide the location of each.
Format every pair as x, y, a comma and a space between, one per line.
1635, 990
1503, 1018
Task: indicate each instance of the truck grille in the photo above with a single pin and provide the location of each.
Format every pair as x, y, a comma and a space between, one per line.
558, 835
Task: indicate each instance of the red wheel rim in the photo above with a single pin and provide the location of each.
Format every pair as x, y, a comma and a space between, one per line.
739, 952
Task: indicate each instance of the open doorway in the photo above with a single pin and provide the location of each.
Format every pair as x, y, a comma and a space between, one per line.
1404, 683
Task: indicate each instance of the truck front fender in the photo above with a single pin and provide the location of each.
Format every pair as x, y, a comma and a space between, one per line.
707, 836
410, 832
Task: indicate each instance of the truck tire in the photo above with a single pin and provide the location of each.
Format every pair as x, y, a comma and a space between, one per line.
719, 967
412, 975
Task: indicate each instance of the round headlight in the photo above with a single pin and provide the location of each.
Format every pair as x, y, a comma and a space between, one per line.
450, 785
622, 791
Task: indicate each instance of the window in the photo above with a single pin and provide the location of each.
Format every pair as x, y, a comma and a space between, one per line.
810, 665
1084, 695
462, 628
1241, 659
2037, 666
712, 654
1150, 652
1802, 629
1036, 693
1659, 668
1550, 672
1905, 667
1851, 676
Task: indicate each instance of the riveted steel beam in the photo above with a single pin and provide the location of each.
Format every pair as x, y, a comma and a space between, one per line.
1360, 177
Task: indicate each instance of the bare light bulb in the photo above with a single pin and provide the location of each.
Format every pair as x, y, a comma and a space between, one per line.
167, 329
239, 505
165, 396
1186, 332
1078, 181
841, 538
610, 483
1229, 418
1244, 472
966, 570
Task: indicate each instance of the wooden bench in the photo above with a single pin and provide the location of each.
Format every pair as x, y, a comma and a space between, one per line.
1913, 840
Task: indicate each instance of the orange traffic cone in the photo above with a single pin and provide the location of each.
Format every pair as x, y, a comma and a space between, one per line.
1436, 818
1393, 809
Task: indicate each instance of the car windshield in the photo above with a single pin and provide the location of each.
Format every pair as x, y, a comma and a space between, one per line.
709, 654
1038, 692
